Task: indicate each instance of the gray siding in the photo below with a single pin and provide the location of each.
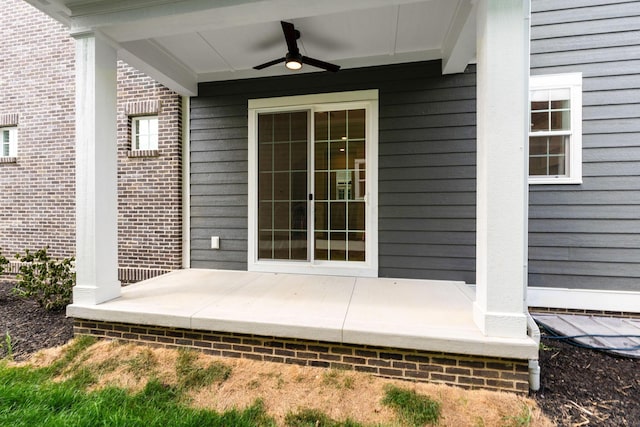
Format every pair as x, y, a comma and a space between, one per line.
426, 166
588, 236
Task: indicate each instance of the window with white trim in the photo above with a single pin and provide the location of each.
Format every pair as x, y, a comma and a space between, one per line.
9, 142
555, 135
144, 131
313, 184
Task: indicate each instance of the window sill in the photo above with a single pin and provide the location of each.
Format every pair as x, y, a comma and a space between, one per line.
8, 160
143, 153
554, 180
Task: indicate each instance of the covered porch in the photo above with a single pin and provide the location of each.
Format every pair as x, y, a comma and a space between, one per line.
186, 44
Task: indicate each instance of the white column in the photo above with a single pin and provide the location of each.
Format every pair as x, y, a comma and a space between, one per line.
502, 97
96, 172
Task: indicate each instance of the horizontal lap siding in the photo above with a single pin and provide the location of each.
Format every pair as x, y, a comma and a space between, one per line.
426, 166
588, 235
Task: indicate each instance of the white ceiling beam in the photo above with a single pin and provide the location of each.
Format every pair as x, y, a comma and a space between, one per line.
151, 59
459, 45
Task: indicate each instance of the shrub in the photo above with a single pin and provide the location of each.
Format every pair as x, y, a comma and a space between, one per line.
48, 281
3, 263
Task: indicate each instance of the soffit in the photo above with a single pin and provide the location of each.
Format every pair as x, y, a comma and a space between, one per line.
184, 42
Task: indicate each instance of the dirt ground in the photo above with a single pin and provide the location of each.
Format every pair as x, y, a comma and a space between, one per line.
580, 387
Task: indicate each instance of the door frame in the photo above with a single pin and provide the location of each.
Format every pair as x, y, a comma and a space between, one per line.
367, 99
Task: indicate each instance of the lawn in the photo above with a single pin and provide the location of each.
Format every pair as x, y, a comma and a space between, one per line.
89, 383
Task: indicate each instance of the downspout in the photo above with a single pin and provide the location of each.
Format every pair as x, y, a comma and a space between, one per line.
186, 193
534, 367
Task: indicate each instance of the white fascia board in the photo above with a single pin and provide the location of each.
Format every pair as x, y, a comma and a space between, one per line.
459, 45
151, 59
55, 9
583, 299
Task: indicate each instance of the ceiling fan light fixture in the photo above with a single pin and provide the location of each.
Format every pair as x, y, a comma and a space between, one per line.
293, 62
294, 59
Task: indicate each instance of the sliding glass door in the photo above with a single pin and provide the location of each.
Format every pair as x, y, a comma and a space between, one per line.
324, 151
339, 185
283, 209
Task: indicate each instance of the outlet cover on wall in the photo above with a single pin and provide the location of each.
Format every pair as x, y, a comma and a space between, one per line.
215, 242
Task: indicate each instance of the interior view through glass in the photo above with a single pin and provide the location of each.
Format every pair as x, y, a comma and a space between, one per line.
337, 202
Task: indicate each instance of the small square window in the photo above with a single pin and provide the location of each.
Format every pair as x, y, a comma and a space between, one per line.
144, 132
555, 135
9, 142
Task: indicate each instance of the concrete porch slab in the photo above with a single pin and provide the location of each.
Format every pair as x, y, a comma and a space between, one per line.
282, 305
399, 313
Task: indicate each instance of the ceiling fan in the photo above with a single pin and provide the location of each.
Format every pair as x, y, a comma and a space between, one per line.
294, 59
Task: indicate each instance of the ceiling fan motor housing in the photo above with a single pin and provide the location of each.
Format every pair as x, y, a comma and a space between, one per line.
293, 59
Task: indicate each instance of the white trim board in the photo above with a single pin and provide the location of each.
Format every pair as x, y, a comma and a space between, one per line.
583, 299
186, 182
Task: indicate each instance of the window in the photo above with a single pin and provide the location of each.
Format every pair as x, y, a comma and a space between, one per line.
555, 136
9, 142
145, 133
312, 184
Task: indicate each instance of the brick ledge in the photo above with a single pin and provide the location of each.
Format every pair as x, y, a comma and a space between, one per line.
471, 372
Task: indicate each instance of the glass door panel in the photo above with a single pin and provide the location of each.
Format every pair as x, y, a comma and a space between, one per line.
340, 185
282, 186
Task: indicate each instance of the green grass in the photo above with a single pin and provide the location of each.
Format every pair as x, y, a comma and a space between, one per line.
412, 408
191, 374
338, 379
6, 346
315, 418
78, 346
523, 419
30, 397
60, 396
144, 364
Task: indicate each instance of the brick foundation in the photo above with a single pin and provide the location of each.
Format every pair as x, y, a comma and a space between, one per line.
126, 276
472, 372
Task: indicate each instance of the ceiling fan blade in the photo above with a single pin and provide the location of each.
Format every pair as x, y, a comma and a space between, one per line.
320, 64
269, 64
290, 35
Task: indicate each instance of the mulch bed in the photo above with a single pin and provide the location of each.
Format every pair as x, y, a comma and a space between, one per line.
580, 387
30, 327
583, 387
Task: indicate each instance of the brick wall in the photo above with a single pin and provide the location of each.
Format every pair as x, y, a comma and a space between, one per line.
149, 185
37, 207
473, 372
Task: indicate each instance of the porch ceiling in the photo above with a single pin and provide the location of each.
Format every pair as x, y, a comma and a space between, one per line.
183, 42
